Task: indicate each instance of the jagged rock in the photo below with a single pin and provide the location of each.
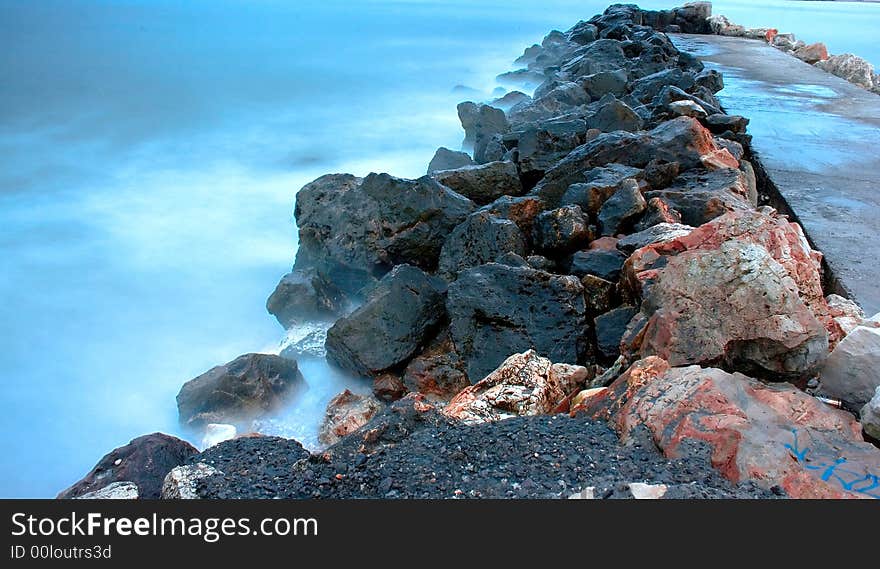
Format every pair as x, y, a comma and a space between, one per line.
520, 78
122, 490
480, 122
388, 387
510, 100
482, 183
847, 314
524, 384
610, 328
603, 83
719, 123
620, 211
520, 210
646, 88
496, 309
305, 294
603, 263
354, 231
812, 53
775, 435
870, 416
700, 195
445, 159
687, 108
743, 290
540, 146
852, 371
400, 316
599, 294
681, 140
615, 115
346, 413
654, 234
659, 174
850, 67
595, 57
642, 491
541, 263
711, 80
180, 484
305, 340
658, 211
438, 372
561, 230
482, 238
583, 33
144, 462
247, 388
601, 183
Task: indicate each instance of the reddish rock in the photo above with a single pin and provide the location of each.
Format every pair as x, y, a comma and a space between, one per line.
438, 372
774, 434
812, 53
388, 387
346, 413
525, 384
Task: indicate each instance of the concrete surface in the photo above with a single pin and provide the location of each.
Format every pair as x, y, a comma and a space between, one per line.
818, 138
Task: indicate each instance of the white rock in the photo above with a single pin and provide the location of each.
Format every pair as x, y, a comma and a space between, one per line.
216, 433
870, 415
642, 491
180, 483
116, 491
852, 371
686, 108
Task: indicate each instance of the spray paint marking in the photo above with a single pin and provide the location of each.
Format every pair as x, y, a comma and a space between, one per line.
832, 471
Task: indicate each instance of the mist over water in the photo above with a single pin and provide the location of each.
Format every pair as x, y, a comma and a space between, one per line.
151, 154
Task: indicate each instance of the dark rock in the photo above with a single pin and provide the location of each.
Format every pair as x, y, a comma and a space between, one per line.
600, 184
603, 263
711, 79
541, 263
599, 294
248, 387
510, 99
512, 260
701, 195
659, 174
583, 33
615, 115
482, 183
438, 372
497, 310
719, 123
400, 316
540, 147
520, 210
651, 235
305, 294
670, 94
521, 78
603, 83
145, 461
561, 230
658, 212
620, 210
480, 122
610, 328
388, 387
600, 55
482, 238
646, 88
445, 159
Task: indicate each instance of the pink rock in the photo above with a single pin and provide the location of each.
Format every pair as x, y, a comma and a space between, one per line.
346, 413
812, 53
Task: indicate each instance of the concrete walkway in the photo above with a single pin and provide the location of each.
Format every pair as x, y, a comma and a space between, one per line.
818, 138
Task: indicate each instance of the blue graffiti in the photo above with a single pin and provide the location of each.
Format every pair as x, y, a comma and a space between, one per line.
832, 471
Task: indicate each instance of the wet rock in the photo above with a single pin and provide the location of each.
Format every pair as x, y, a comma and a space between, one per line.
604, 83
621, 210
602, 263
496, 310
400, 316
700, 195
812, 53
615, 115
654, 234
482, 238
388, 387
646, 88
610, 328
116, 491
354, 231
144, 462
600, 184
246, 388
438, 372
775, 435
305, 294
852, 371
524, 384
346, 413
850, 67
542, 145
180, 484
445, 159
561, 230
482, 183
870, 416
711, 80
305, 340
719, 123
520, 210
687, 108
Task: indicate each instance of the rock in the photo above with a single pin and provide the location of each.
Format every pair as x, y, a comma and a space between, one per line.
785, 42
654, 234
388, 387
400, 316
143, 462
483, 183
445, 159
505, 103
480, 122
522, 210
615, 115
847, 314
122, 490
711, 80
602, 263
541, 263
775, 435
642, 491
561, 230
743, 290
482, 238
524, 78
596, 57
496, 309
646, 88
852, 371
687, 108
870, 416
812, 53
603, 83
346, 413
216, 433
851, 68
657, 212
583, 33
610, 328
305, 340
601, 183
305, 294
621, 210
249, 387
599, 294
438, 372
766, 34
540, 146
681, 140
180, 484
354, 231
588, 493
700, 196
659, 174
524, 384
719, 123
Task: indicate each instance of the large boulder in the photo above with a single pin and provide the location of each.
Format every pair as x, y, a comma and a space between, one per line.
355, 230
852, 371
681, 140
775, 435
483, 183
482, 238
561, 230
521, 210
646, 88
595, 57
620, 211
743, 291
401, 314
249, 387
599, 185
540, 146
524, 384
480, 123
445, 159
346, 413
614, 115
143, 462
812, 53
604, 83
702, 195
497, 309
305, 294
850, 67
